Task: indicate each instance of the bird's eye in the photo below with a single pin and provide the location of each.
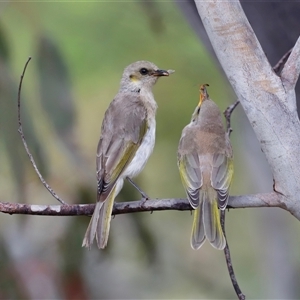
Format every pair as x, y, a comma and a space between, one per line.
144, 71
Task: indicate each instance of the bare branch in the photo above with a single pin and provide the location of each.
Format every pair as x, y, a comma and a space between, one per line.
20, 130
279, 66
236, 287
227, 114
246, 201
291, 69
47, 210
272, 199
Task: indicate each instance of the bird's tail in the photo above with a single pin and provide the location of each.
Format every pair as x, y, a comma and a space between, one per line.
207, 221
100, 223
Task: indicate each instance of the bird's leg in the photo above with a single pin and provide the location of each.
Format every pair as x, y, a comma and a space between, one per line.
143, 194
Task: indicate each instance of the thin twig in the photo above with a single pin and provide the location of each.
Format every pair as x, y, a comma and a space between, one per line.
20, 130
227, 114
235, 284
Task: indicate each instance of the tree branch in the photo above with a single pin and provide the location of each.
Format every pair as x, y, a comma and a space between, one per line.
291, 69
236, 287
280, 64
245, 201
227, 114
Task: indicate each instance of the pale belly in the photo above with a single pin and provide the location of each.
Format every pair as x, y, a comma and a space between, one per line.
142, 154
140, 159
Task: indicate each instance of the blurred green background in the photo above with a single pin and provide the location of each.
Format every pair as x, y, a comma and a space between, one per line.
79, 51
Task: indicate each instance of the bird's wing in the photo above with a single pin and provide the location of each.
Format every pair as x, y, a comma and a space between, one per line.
222, 172
191, 176
123, 129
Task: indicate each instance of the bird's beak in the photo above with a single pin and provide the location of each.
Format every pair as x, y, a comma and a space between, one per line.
160, 73
201, 98
203, 93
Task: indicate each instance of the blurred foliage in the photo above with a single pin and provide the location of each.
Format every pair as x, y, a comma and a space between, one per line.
79, 50
55, 93
8, 122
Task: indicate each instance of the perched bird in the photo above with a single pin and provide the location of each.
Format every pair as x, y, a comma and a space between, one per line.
126, 142
205, 163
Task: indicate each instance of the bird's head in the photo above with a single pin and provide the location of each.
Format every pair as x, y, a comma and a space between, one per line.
141, 74
206, 111
203, 96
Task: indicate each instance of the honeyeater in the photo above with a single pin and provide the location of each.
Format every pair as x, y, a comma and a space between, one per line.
126, 142
205, 163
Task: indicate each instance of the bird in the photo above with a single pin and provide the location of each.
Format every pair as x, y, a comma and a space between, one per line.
127, 140
205, 162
